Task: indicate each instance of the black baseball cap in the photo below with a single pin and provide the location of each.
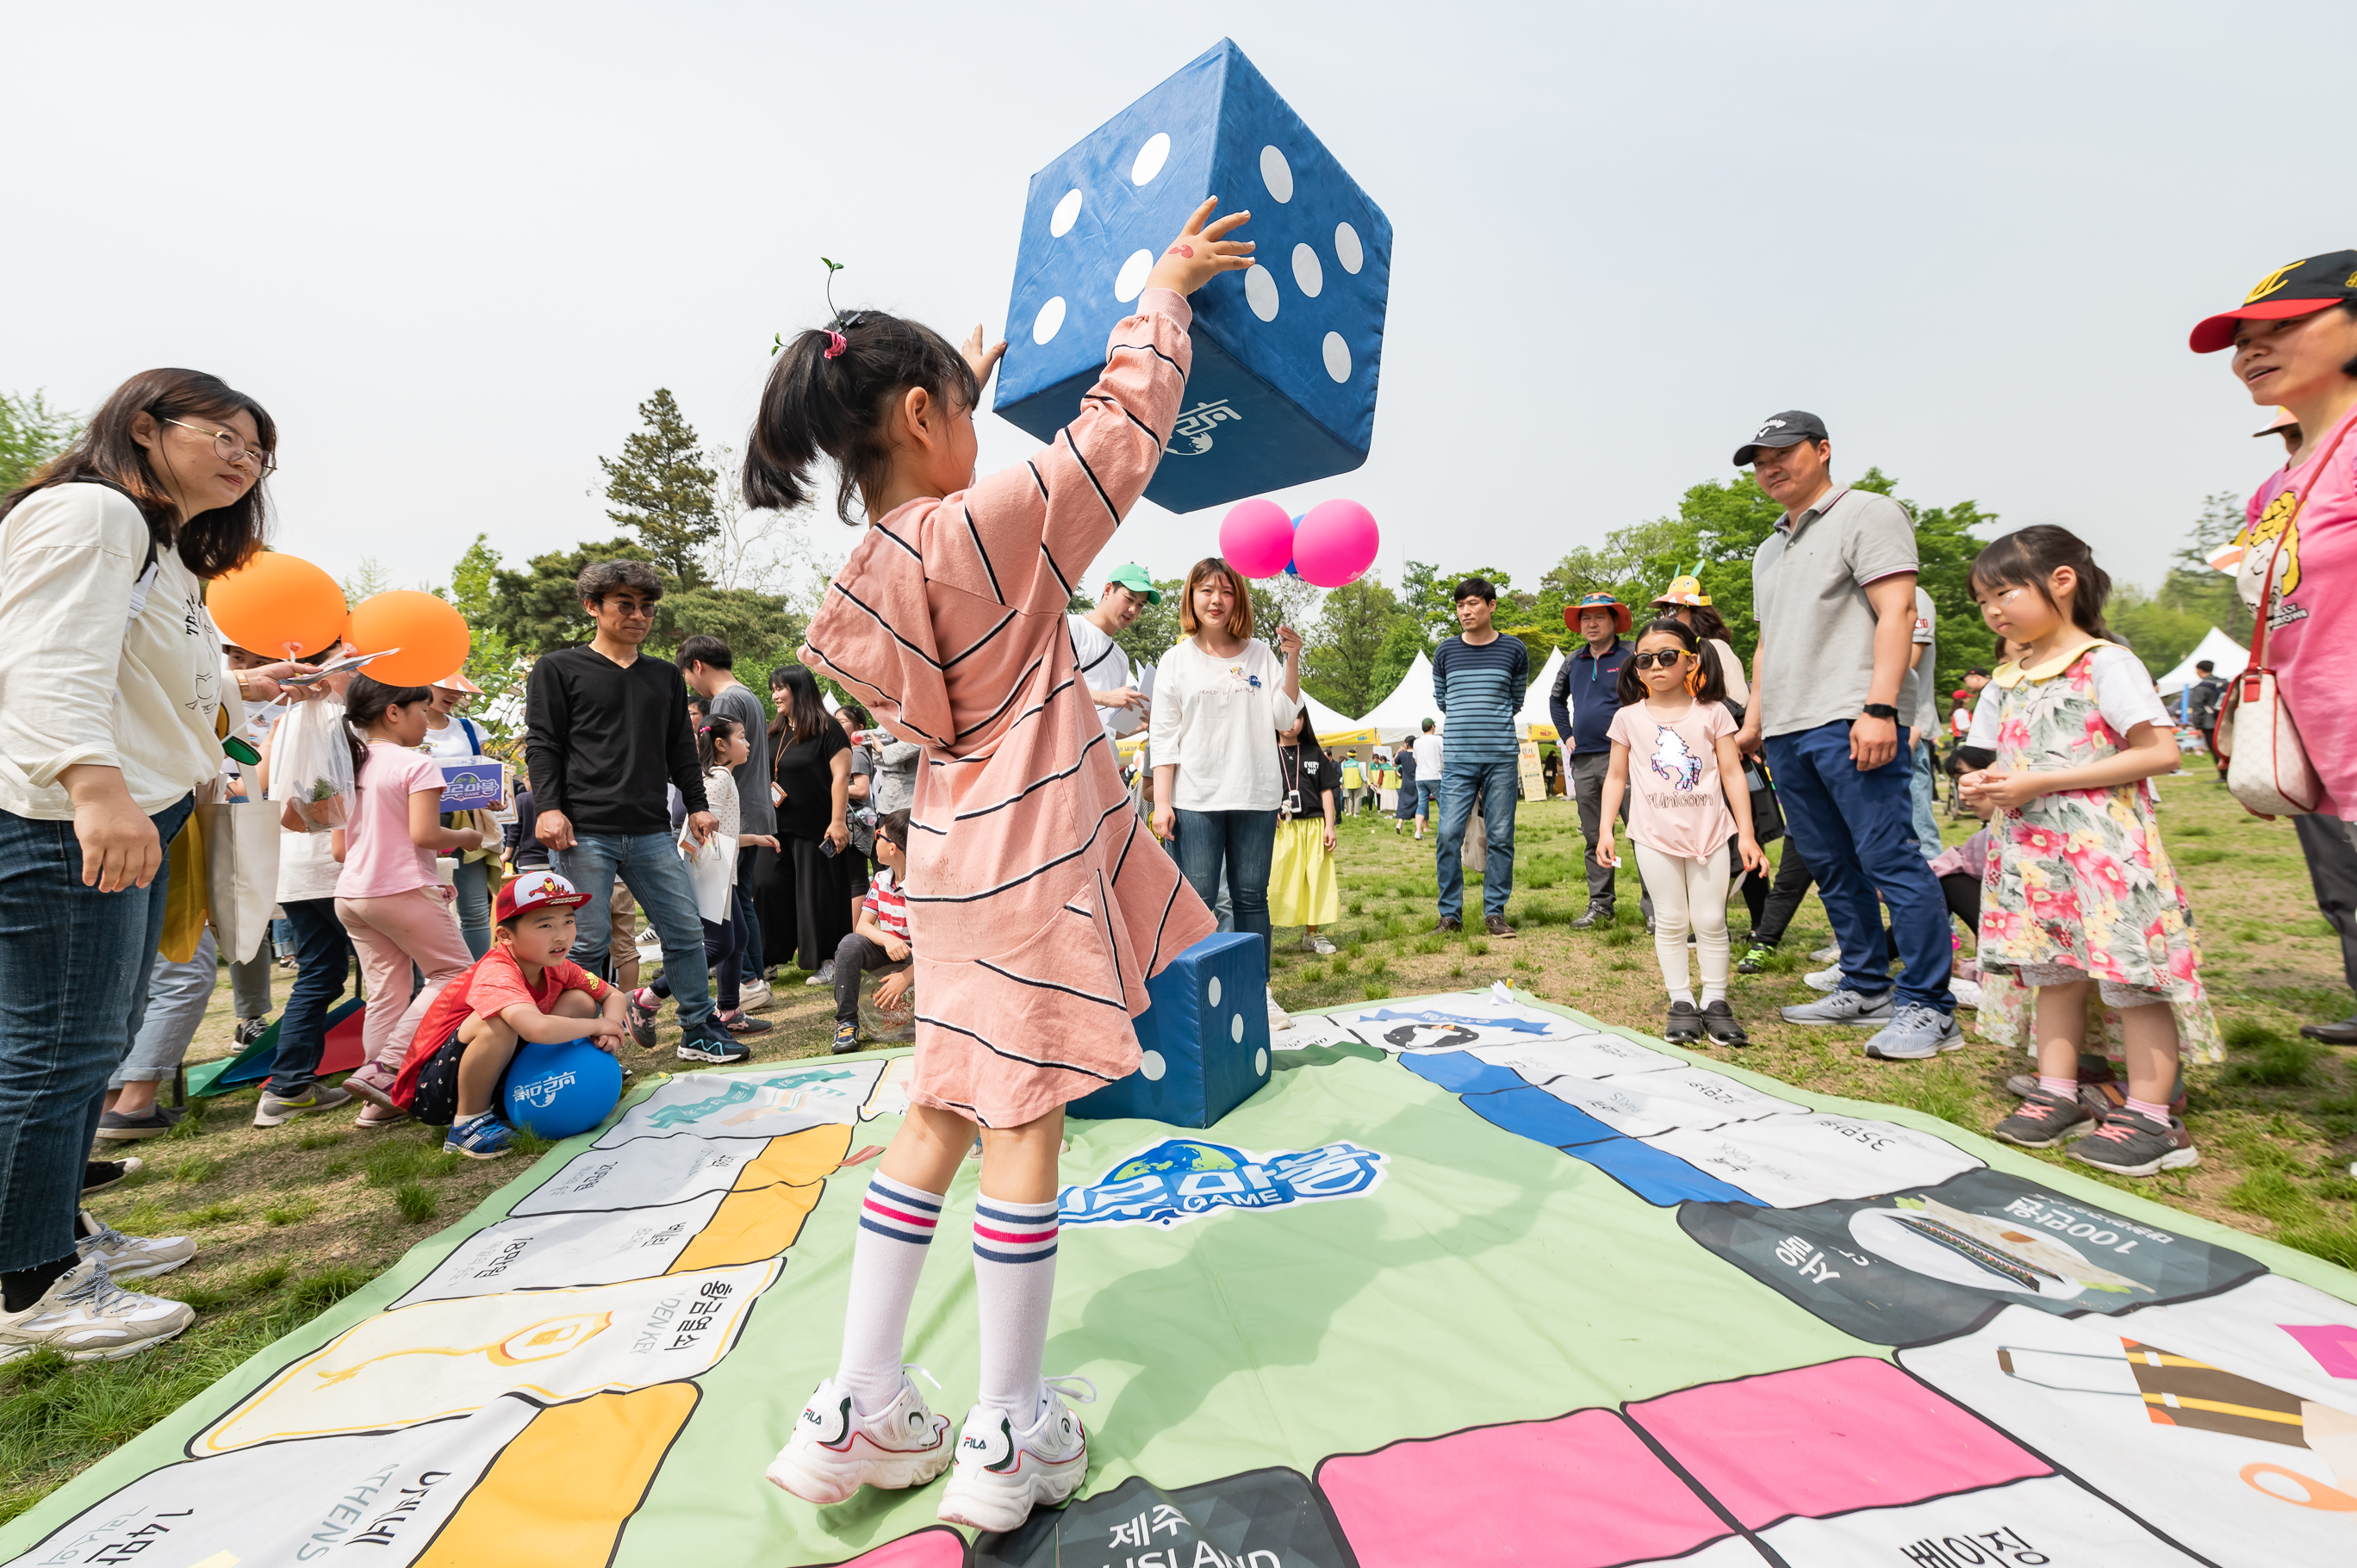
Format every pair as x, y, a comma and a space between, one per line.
1789, 428
2302, 289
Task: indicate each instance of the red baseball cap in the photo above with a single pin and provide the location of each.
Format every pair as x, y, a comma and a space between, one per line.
534, 890
2301, 289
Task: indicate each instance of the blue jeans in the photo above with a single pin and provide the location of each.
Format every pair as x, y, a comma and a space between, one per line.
650, 866
178, 996
1857, 833
473, 883
724, 951
1924, 794
1241, 844
753, 968
73, 987
1500, 787
1427, 790
323, 952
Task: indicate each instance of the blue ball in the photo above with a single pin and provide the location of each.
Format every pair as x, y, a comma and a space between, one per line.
555, 1091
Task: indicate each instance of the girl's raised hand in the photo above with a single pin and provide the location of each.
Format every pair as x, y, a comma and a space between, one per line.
983, 360
1199, 254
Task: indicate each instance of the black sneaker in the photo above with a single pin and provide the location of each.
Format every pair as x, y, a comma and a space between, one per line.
153, 1122
249, 1030
1685, 1023
2045, 1121
97, 1175
710, 1042
1718, 1020
2130, 1145
1598, 915
1448, 924
1499, 928
1755, 959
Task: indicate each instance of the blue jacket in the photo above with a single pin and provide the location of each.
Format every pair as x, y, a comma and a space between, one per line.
1587, 695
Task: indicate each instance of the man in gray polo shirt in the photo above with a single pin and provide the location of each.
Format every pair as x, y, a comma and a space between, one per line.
1832, 692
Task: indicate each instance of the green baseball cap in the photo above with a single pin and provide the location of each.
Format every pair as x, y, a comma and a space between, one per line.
1133, 578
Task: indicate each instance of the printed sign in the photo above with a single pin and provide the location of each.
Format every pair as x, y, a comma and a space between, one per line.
473, 784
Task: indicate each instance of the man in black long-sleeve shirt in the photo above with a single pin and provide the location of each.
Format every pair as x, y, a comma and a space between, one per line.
605, 729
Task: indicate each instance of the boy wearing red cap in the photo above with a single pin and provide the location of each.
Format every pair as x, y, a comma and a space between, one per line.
524, 988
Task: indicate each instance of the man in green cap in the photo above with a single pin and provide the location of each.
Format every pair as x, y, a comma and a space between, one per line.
1104, 668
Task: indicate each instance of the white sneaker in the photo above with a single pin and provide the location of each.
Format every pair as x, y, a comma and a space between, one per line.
1002, 1475
133, 1257
1967, 993
1824, 978
86, 1316
1278, 1018
835, 1451
1829, 954
754, 995
825, 975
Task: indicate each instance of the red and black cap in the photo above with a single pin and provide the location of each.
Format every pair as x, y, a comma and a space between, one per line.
2302, 289
532, 890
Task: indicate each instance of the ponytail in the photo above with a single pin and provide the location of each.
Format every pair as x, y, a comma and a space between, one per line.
708, 740
1704, 680
831, 394
364, 704
2027, 556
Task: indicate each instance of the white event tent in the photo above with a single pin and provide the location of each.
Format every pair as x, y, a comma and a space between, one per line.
2221, 651
1535, 722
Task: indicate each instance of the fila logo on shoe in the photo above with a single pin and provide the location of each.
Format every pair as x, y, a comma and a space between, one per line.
810, 1414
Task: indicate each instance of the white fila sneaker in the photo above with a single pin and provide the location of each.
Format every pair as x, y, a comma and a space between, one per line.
835, 1451
1001, 1474
86, 1316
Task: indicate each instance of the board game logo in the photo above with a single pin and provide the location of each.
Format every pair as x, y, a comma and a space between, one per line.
1182, 1179
541, 1093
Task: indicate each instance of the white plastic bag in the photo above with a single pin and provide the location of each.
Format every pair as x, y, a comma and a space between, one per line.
711, 868
311, 767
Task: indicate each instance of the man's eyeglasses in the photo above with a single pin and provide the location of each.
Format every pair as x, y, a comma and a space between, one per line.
1667, 658
229, 449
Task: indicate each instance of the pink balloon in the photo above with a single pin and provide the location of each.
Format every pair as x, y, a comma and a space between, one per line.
1256, 537
1336, 543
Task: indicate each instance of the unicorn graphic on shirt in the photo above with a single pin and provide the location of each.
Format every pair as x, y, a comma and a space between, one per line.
1673, 762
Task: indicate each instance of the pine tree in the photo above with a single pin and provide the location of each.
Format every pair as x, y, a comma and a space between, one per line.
660, 489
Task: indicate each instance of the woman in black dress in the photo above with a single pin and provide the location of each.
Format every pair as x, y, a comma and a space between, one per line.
804, 888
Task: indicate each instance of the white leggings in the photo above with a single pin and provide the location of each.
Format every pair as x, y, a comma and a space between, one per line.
1689, 892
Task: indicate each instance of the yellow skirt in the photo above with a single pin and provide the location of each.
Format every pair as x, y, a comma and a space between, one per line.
1301, 887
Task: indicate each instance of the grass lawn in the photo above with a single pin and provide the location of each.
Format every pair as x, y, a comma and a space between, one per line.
291, 1218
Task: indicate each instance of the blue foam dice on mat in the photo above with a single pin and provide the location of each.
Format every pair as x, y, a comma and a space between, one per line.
1204, 1037
1286, 354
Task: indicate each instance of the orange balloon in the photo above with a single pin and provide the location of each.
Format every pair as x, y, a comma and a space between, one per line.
430, 632
276, 599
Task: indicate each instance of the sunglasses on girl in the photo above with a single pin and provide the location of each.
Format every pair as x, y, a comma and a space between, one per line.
1665, 657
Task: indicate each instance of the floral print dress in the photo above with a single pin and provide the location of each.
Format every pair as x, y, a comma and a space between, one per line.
2078, 878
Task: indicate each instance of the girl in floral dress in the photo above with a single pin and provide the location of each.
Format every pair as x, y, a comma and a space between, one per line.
2079, 889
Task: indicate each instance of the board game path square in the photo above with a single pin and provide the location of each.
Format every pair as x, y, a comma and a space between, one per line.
936, 1546
1582, 1491
1824, 1440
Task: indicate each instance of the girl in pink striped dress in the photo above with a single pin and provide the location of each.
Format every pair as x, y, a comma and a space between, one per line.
1037, 900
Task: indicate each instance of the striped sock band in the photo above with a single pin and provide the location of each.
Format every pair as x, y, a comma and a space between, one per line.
895, 1229
898, 1210
1014, 1232
1015, 1280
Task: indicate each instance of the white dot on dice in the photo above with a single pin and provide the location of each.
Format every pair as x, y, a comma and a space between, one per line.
1346, 248
1067, 212
1337, 357
1211, 991
1260, 1061
1236, 1028
1132, 280
1050, 317
1150, 158
1260, 292
1276, 174
1152, 1066
1307, 275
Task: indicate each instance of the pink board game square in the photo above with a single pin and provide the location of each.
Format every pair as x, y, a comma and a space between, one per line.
1824, 1440
1580, 1492
2334, 1344
937, 1546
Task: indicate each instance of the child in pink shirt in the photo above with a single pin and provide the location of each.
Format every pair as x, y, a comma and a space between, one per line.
1673, 736
388, 895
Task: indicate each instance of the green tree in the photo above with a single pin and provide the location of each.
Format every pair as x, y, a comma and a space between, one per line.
538, 610
1149, 637
31, 433
661, 488
1345, 649
493, 662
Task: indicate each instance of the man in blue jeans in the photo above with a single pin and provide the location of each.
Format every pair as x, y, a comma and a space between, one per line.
1479, 678
605, 729
1834, 589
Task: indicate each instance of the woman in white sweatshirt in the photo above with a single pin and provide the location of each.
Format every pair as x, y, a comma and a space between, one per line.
110, 695
1219, 700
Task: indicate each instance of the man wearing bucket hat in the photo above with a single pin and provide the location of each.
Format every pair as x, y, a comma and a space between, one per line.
1586, 694
1832, 698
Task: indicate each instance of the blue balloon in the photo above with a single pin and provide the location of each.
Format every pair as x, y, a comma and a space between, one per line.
555, 1091
1291, 570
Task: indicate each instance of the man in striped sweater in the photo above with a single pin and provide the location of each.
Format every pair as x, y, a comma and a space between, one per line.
1479, 678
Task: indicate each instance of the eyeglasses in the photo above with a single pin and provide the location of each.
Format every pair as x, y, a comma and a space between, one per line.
1667, 658
229, 449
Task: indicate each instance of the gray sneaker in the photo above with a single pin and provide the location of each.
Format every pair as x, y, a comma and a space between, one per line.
1852, 1007
2130, 1145
1914, 1033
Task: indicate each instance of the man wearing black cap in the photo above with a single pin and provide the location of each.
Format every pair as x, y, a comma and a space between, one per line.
1834, 589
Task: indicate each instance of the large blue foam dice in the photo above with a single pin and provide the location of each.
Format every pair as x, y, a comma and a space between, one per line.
1286, 354
1204, 1038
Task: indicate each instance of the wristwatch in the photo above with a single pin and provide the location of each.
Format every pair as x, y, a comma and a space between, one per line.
1879, 710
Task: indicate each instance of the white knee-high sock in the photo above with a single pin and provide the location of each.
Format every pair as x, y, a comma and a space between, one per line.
1014, 1279
896, 1231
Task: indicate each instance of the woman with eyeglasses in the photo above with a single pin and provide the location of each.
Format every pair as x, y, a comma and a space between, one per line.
110, 716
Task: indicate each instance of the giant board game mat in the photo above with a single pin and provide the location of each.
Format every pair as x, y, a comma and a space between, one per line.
1475, 1279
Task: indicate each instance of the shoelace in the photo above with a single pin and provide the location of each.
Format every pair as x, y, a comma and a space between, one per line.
2119, 1130
907, 1367
105, 1236
97, 1290
1065, 1386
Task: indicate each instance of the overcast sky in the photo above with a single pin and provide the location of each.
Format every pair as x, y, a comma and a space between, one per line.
450, 248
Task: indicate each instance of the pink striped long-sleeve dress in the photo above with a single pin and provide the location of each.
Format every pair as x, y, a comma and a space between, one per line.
1038, 900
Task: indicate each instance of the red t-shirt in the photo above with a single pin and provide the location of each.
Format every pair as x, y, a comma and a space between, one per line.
493, 984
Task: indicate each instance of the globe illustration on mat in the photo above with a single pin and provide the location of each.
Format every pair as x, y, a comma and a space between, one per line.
1177, 1158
